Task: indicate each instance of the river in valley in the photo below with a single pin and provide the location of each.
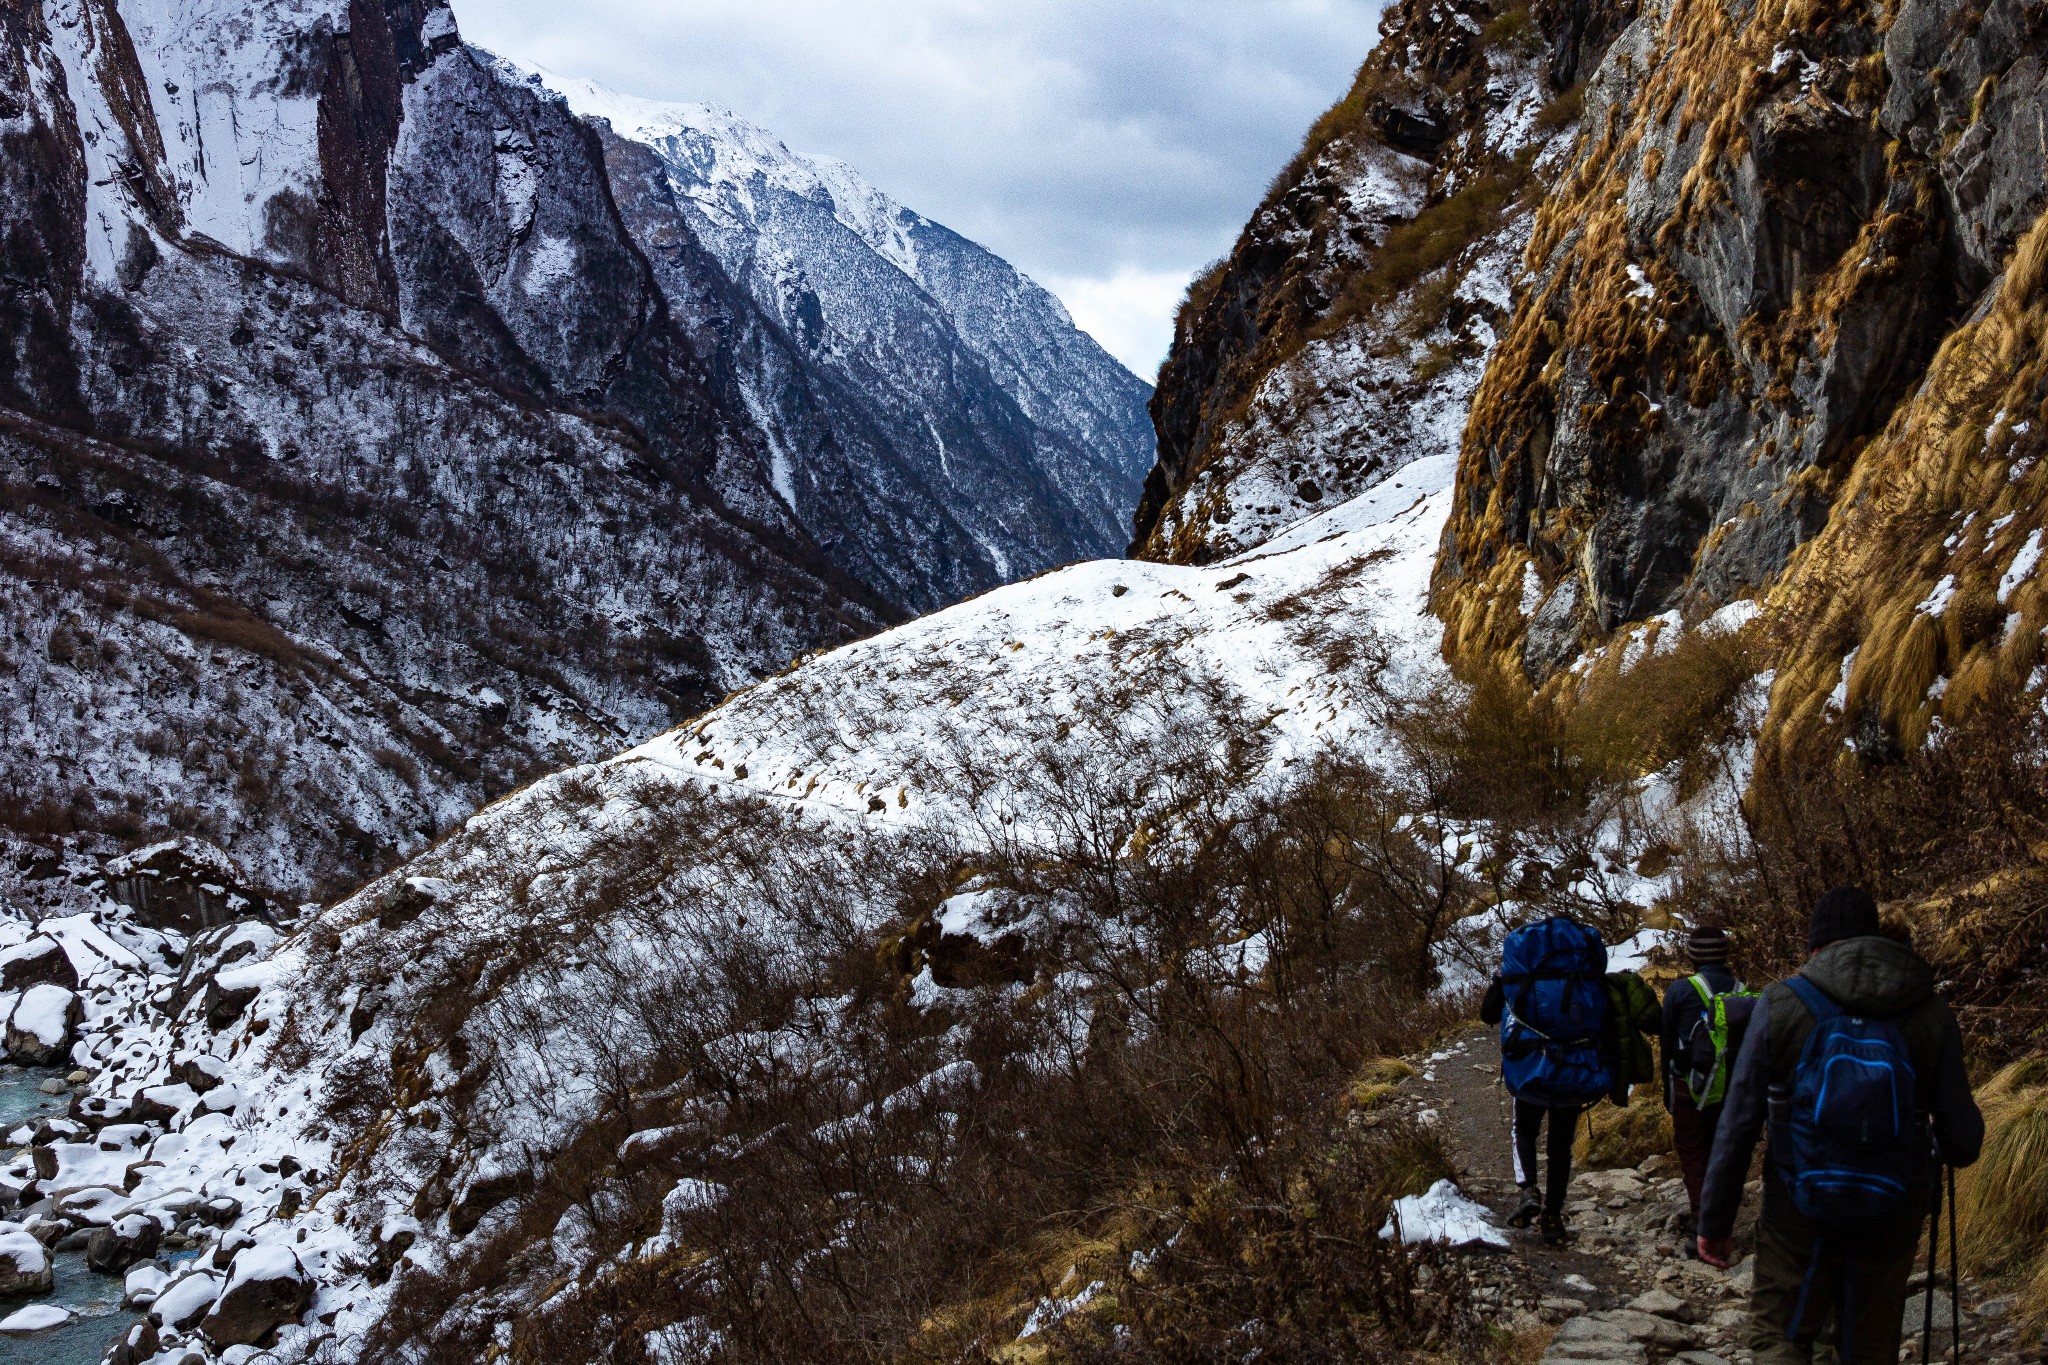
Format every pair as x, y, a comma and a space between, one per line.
93, 1300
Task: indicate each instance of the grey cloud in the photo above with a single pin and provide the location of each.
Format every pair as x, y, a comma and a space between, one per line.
1077, 137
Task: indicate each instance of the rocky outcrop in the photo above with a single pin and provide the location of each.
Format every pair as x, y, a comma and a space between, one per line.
1771, 228
1343, 335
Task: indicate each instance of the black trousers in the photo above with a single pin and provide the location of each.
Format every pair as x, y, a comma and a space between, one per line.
1564, 1126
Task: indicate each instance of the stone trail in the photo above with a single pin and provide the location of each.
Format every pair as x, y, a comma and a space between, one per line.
1625, 1290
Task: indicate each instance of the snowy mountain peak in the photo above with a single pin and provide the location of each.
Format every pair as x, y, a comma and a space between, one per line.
897, 361
732, 158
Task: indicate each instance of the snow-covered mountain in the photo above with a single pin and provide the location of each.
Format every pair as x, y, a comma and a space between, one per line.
927, 998
363, 460
917, 390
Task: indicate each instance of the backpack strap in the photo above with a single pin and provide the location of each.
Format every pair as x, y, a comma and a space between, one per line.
1814, 998
1699, 983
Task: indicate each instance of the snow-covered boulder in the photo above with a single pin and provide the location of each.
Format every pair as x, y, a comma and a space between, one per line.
37, 1317
131, 1237
25, 1266
142, 1283
44, 1025
267, 1288
95, 1206
185, 1301
41, 961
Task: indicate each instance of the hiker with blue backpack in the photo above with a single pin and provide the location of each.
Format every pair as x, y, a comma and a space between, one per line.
1705, 1018
1857, 1066
1559, 1051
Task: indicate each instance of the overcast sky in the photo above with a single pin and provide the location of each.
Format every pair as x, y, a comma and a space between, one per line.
1109, 148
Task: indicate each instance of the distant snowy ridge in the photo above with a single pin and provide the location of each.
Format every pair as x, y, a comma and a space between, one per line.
731, 154
992, 437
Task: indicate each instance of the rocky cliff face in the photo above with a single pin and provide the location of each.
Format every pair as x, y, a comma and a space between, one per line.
1343, 336
362, 461
1775, 222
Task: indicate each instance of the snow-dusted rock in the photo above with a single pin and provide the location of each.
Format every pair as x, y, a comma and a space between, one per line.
128, 1238
25, 1266
267, 1287
43, 1025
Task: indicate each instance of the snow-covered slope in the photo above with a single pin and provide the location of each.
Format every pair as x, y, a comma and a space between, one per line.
916, 387
494, 964
358, 460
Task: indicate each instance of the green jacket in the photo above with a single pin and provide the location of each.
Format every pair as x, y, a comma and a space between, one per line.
1637, 1017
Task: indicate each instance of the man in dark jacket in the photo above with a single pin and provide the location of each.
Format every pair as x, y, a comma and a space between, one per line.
1692, 1128
1876, 977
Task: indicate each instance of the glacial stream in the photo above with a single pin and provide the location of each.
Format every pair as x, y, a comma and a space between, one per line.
94, 1300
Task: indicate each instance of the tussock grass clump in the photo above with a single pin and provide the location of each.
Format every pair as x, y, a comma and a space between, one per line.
1615, 1138
2002, 1201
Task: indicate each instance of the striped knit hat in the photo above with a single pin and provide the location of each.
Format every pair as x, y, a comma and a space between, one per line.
1708, 947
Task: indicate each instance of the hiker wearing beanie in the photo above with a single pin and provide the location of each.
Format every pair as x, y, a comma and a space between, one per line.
1705, 1015
1842, 1212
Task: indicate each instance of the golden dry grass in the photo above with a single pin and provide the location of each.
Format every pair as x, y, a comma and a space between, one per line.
1615, 1138
2002, 1201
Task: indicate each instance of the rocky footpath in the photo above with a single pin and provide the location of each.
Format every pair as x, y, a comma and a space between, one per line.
1625, 1289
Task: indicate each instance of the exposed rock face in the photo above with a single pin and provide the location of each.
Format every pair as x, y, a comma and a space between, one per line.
1344, 334
1770, 229
355, 465
186, 885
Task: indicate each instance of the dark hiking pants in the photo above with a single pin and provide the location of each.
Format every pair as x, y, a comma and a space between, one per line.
1564, 1126
1878, 1268
1692, 1133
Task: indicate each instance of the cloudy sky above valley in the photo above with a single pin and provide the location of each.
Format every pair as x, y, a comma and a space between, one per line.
1110, 148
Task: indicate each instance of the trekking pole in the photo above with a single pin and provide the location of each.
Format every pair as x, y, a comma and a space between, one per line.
1955, 1274
1933, 1271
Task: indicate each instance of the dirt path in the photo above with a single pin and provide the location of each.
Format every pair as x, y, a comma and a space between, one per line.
1621, 1290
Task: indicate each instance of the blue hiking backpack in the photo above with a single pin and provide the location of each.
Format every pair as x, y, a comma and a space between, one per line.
1852, 1144
1554, 1032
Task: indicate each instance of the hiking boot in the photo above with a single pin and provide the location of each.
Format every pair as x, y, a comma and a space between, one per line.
1529, 1210
1552, 1229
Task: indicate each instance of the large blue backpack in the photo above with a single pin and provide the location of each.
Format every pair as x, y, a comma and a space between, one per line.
1554, 1032
1851, 1142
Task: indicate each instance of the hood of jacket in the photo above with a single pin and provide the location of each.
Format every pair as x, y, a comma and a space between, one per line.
1872, 976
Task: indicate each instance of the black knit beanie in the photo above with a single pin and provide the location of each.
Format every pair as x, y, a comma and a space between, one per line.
1708, 947
1845, 912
